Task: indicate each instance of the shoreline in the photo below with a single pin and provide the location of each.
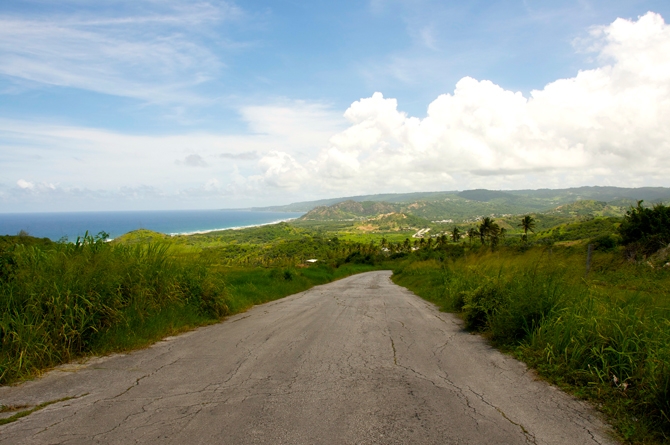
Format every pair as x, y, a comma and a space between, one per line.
202, 232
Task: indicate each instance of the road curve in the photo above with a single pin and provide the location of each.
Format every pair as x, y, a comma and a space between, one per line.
358, 361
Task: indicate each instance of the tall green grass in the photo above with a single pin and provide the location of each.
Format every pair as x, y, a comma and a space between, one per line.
56, 303
60, 301
605, 335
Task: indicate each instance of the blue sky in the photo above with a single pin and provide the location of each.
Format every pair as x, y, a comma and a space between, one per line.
179, 104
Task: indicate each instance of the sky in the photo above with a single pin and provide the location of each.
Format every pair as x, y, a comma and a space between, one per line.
171, 104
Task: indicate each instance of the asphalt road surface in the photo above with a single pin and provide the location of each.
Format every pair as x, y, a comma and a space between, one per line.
358, 361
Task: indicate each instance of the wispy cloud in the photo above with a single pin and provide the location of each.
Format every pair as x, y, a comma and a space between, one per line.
153, 51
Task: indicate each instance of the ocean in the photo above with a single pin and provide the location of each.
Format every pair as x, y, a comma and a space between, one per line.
56, 226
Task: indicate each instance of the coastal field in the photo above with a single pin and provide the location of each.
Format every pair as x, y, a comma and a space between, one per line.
568, 293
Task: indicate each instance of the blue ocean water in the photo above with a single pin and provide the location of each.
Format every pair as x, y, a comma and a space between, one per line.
73, 224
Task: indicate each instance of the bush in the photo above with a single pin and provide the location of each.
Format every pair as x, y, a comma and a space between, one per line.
480, 305
360, 258
649, 228
605, 242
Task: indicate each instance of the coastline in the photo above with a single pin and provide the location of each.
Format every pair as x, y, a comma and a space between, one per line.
57, 226
202, 232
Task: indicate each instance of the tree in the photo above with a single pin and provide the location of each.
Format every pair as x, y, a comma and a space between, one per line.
455, 234
527, 223
494, 235
472, 233
485, 229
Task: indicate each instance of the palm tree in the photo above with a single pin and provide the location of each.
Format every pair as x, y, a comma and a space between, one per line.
494, 235
527, 223
455, 234
485, 229
472, 232
405, 245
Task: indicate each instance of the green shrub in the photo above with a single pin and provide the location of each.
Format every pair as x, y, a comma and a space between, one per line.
288, 275
605, 242
647, 227
480, 305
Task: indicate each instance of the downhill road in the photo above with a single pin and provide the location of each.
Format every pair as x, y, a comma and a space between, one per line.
358, 361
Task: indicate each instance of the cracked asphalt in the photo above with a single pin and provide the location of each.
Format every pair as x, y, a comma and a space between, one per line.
358, 361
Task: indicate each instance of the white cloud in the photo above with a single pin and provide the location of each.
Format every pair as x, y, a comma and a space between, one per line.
281, 170
22, 183
148, 171
300, 125
607, 124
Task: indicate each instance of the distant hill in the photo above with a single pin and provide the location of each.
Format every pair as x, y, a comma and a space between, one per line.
471, 204
486, 195
607, 194
388, 197
349, 210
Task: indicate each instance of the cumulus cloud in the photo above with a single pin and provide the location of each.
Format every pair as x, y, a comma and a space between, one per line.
22, 183
27, 186
607, 124
282, 170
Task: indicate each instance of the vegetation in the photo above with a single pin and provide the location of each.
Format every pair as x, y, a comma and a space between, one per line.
607, 338
519, 279
527, 225
60, 301
647, 229
467, 206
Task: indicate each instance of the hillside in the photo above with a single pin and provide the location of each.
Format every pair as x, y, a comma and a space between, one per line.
469, 205
349, 210
387, 197
458, 209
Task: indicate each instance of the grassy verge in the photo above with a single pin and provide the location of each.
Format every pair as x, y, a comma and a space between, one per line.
63, 301
606, 336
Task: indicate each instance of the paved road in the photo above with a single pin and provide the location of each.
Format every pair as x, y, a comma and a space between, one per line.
358, 361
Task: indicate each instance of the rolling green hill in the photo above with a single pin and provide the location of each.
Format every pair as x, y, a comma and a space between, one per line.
470, 205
